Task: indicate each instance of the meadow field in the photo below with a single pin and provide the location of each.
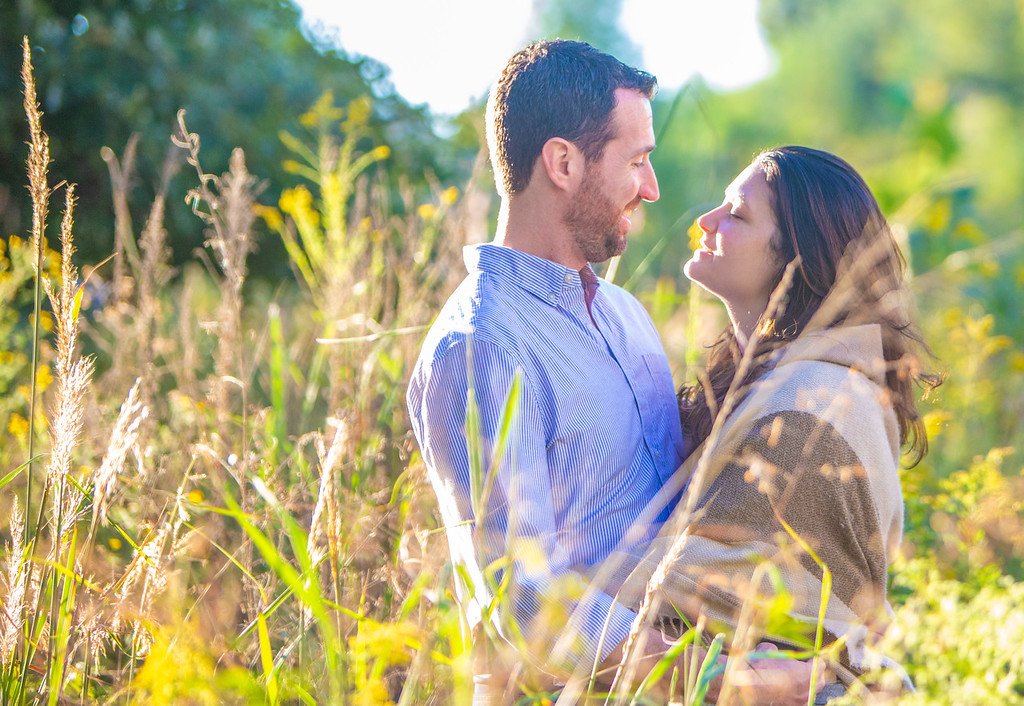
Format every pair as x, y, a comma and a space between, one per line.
211, 493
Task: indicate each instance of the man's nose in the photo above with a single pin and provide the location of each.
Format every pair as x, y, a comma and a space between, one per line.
649, 185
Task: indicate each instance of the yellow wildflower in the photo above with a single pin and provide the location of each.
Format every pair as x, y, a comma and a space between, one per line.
427, 211
17, 426
43, 377
270, 215
695, 234
952, 317
359, 111
937, 217
989, 268
970, 231
934, 421
296, 201
390, 643
45, 320
449, 196
323, 112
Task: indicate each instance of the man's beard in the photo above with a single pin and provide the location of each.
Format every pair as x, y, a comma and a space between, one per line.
593, 221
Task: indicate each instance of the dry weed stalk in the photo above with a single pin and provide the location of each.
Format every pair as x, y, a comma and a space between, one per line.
38, 156
123, 439
147, 571
153, 276
229, 215
14, 602
325, 523
186, 364
141, 270
73, 374
229, 201
38, 165
121, 175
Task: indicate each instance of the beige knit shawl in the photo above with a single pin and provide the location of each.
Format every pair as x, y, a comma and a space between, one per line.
816, 444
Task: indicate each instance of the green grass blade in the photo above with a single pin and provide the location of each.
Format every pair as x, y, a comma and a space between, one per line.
666, 663
267, 659
709, 669
18, 471
57, 657
278, 373
509, 416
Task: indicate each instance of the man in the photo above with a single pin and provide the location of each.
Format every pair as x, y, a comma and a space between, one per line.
594, 430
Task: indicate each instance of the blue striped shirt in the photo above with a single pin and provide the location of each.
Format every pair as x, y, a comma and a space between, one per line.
596, 430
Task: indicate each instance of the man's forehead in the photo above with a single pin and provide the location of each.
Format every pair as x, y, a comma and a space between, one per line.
632, 118
632, 102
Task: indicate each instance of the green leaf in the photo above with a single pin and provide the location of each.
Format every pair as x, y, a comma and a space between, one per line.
667, 661
267, 659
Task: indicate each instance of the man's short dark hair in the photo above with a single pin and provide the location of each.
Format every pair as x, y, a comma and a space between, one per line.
554, 88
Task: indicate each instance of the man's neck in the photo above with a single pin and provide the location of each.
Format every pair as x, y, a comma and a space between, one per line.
539, 231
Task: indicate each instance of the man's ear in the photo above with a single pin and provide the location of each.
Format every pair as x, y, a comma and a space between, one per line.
563, 163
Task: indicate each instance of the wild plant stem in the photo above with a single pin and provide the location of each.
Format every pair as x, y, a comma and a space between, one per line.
36, 310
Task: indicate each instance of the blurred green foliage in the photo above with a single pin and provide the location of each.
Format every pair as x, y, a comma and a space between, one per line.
244, 70
926, 99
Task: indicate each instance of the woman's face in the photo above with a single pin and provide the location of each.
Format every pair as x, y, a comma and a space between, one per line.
736, 260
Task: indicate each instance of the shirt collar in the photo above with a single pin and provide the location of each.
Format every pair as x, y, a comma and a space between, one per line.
546, 280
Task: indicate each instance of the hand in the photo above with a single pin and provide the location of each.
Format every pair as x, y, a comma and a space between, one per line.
776, 682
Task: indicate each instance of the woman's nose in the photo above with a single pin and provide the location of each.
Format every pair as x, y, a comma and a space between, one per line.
708, 221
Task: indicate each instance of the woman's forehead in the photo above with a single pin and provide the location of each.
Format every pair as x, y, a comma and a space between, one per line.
749, 186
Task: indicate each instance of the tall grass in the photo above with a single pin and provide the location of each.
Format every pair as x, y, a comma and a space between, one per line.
232, 510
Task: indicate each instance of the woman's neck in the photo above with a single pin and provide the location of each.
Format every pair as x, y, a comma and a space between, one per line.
744, 318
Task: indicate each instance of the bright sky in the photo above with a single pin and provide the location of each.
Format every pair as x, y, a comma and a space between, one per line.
447, 52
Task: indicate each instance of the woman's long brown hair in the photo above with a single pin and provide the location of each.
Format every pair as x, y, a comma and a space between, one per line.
850, 271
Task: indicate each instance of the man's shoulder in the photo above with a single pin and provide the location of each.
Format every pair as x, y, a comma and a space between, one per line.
481, 309
628, 306
618, 294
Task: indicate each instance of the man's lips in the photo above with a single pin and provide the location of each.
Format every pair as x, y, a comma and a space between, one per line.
627, 215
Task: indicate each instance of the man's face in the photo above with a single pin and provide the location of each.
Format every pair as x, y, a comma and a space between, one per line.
600, 214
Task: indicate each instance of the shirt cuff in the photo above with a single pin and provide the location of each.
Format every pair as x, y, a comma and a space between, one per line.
588, 623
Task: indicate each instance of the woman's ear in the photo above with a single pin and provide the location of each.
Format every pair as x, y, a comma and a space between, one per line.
562, 162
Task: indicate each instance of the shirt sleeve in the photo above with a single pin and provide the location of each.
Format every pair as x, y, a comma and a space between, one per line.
518, 519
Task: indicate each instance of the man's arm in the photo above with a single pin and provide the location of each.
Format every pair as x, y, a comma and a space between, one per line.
519, 514
781, 682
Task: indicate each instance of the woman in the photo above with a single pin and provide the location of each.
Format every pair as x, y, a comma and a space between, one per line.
799, 422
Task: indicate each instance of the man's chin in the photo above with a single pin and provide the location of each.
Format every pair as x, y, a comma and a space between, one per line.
616, 245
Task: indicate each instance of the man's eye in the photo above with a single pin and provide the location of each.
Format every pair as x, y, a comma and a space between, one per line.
736, 215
